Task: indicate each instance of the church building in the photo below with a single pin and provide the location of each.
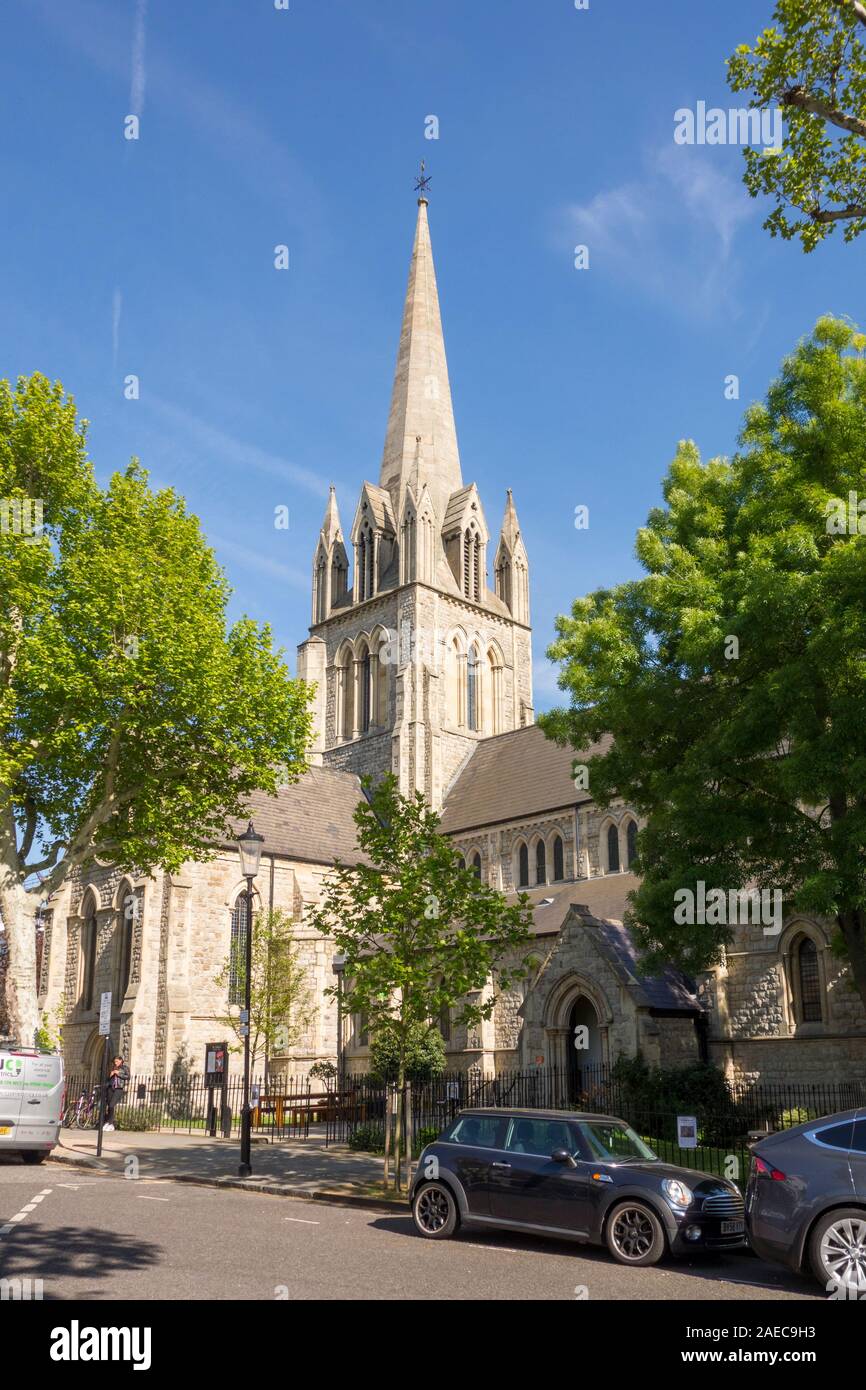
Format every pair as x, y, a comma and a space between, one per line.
420, 653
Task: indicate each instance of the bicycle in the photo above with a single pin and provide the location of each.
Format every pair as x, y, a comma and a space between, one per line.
84, 1112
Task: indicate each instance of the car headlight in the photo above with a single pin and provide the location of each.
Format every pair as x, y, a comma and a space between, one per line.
676, 1192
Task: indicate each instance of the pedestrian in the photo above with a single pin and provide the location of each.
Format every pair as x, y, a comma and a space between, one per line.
115, 1088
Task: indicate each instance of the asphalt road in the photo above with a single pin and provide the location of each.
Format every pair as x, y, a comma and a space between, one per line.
107, 1238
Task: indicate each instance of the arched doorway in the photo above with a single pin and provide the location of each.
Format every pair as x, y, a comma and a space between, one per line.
584, 1062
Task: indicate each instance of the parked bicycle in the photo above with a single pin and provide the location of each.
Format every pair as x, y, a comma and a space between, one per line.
83, 1113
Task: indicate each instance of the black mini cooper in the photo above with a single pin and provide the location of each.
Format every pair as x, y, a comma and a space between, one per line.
587, 1177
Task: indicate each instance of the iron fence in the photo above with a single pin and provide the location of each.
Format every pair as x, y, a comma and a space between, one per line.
283, 1107
354, 1111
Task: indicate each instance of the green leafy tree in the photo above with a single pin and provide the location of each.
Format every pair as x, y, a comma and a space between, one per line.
281, 999
812, 64
419, 933
134, 724
424, 1059
733, 675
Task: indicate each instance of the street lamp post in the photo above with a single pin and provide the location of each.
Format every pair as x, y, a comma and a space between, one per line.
250, 846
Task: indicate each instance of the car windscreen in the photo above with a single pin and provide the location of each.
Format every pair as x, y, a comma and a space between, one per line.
612, 1141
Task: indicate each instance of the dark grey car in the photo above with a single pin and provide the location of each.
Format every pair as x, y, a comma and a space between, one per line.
586, 1177
806, 1200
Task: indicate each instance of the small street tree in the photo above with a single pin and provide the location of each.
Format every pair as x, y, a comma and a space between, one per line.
419, 933
732, 676
134, 723
281, 997
811, 63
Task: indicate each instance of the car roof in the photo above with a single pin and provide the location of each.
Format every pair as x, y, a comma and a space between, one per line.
527, 1113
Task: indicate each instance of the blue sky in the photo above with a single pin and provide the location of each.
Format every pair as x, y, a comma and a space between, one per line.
305, 127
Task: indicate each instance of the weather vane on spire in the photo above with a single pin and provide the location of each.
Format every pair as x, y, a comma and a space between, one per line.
422, 183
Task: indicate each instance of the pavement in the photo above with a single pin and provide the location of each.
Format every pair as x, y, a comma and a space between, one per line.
100, 1236
302, 1168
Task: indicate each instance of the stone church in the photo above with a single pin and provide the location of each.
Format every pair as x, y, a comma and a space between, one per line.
420, 654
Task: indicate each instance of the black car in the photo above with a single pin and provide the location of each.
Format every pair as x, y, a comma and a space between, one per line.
586, 1177
806, 1200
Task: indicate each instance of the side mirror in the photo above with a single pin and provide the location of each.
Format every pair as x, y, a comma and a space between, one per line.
563, 1156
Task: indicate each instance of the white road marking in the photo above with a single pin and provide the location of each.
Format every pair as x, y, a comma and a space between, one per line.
299, 1221
152, 1199
14, 1221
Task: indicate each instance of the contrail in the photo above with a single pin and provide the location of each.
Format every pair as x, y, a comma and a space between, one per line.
116, 309
139, 71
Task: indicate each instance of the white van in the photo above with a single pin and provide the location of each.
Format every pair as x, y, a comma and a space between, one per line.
31, 1102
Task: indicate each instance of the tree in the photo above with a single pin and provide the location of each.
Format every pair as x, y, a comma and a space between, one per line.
281, 1001
733, 675
134, 725
812, 63
419, 934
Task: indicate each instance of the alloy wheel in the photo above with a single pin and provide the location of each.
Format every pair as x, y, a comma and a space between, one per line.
843, 1253
632, 1233
432, 1210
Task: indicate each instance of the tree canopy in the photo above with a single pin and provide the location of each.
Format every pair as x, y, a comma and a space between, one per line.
419, 934
812, 64
732, 675
134, 721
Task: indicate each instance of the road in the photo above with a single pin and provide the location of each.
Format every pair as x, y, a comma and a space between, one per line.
107, 1238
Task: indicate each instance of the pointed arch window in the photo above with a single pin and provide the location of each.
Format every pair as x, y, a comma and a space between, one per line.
88, 949
472, 564
321, 596
809, 981
472, 683
366, 553
345, 692
365, 690
612, 850
541, 862
558, 860
631, 843
503, 580
523, 866
476, 865
130, 911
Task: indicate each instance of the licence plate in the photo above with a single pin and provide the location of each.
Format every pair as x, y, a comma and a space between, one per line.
733, 1228
5, 1129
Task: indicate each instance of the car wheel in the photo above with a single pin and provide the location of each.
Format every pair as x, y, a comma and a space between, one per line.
31, 1156
435, 1211
837, 1250
634, 1234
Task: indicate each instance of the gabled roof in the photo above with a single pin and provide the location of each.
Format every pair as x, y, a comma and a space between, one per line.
379, 507
513, 776
311, 819
458, 504
598, 905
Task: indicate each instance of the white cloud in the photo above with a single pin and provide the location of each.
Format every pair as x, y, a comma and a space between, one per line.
671, 232
212, 442
255, 560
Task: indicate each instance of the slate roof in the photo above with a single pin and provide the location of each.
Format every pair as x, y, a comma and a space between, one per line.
599, 905
512, 776
311, 819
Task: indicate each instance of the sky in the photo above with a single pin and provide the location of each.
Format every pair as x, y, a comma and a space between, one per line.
305, 127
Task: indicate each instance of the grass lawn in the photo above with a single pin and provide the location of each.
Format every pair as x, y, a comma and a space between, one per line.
704, 1159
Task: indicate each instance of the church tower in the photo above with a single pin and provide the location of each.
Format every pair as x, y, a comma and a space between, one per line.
415, 658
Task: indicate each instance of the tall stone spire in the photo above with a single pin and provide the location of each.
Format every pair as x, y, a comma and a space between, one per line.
421, 439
